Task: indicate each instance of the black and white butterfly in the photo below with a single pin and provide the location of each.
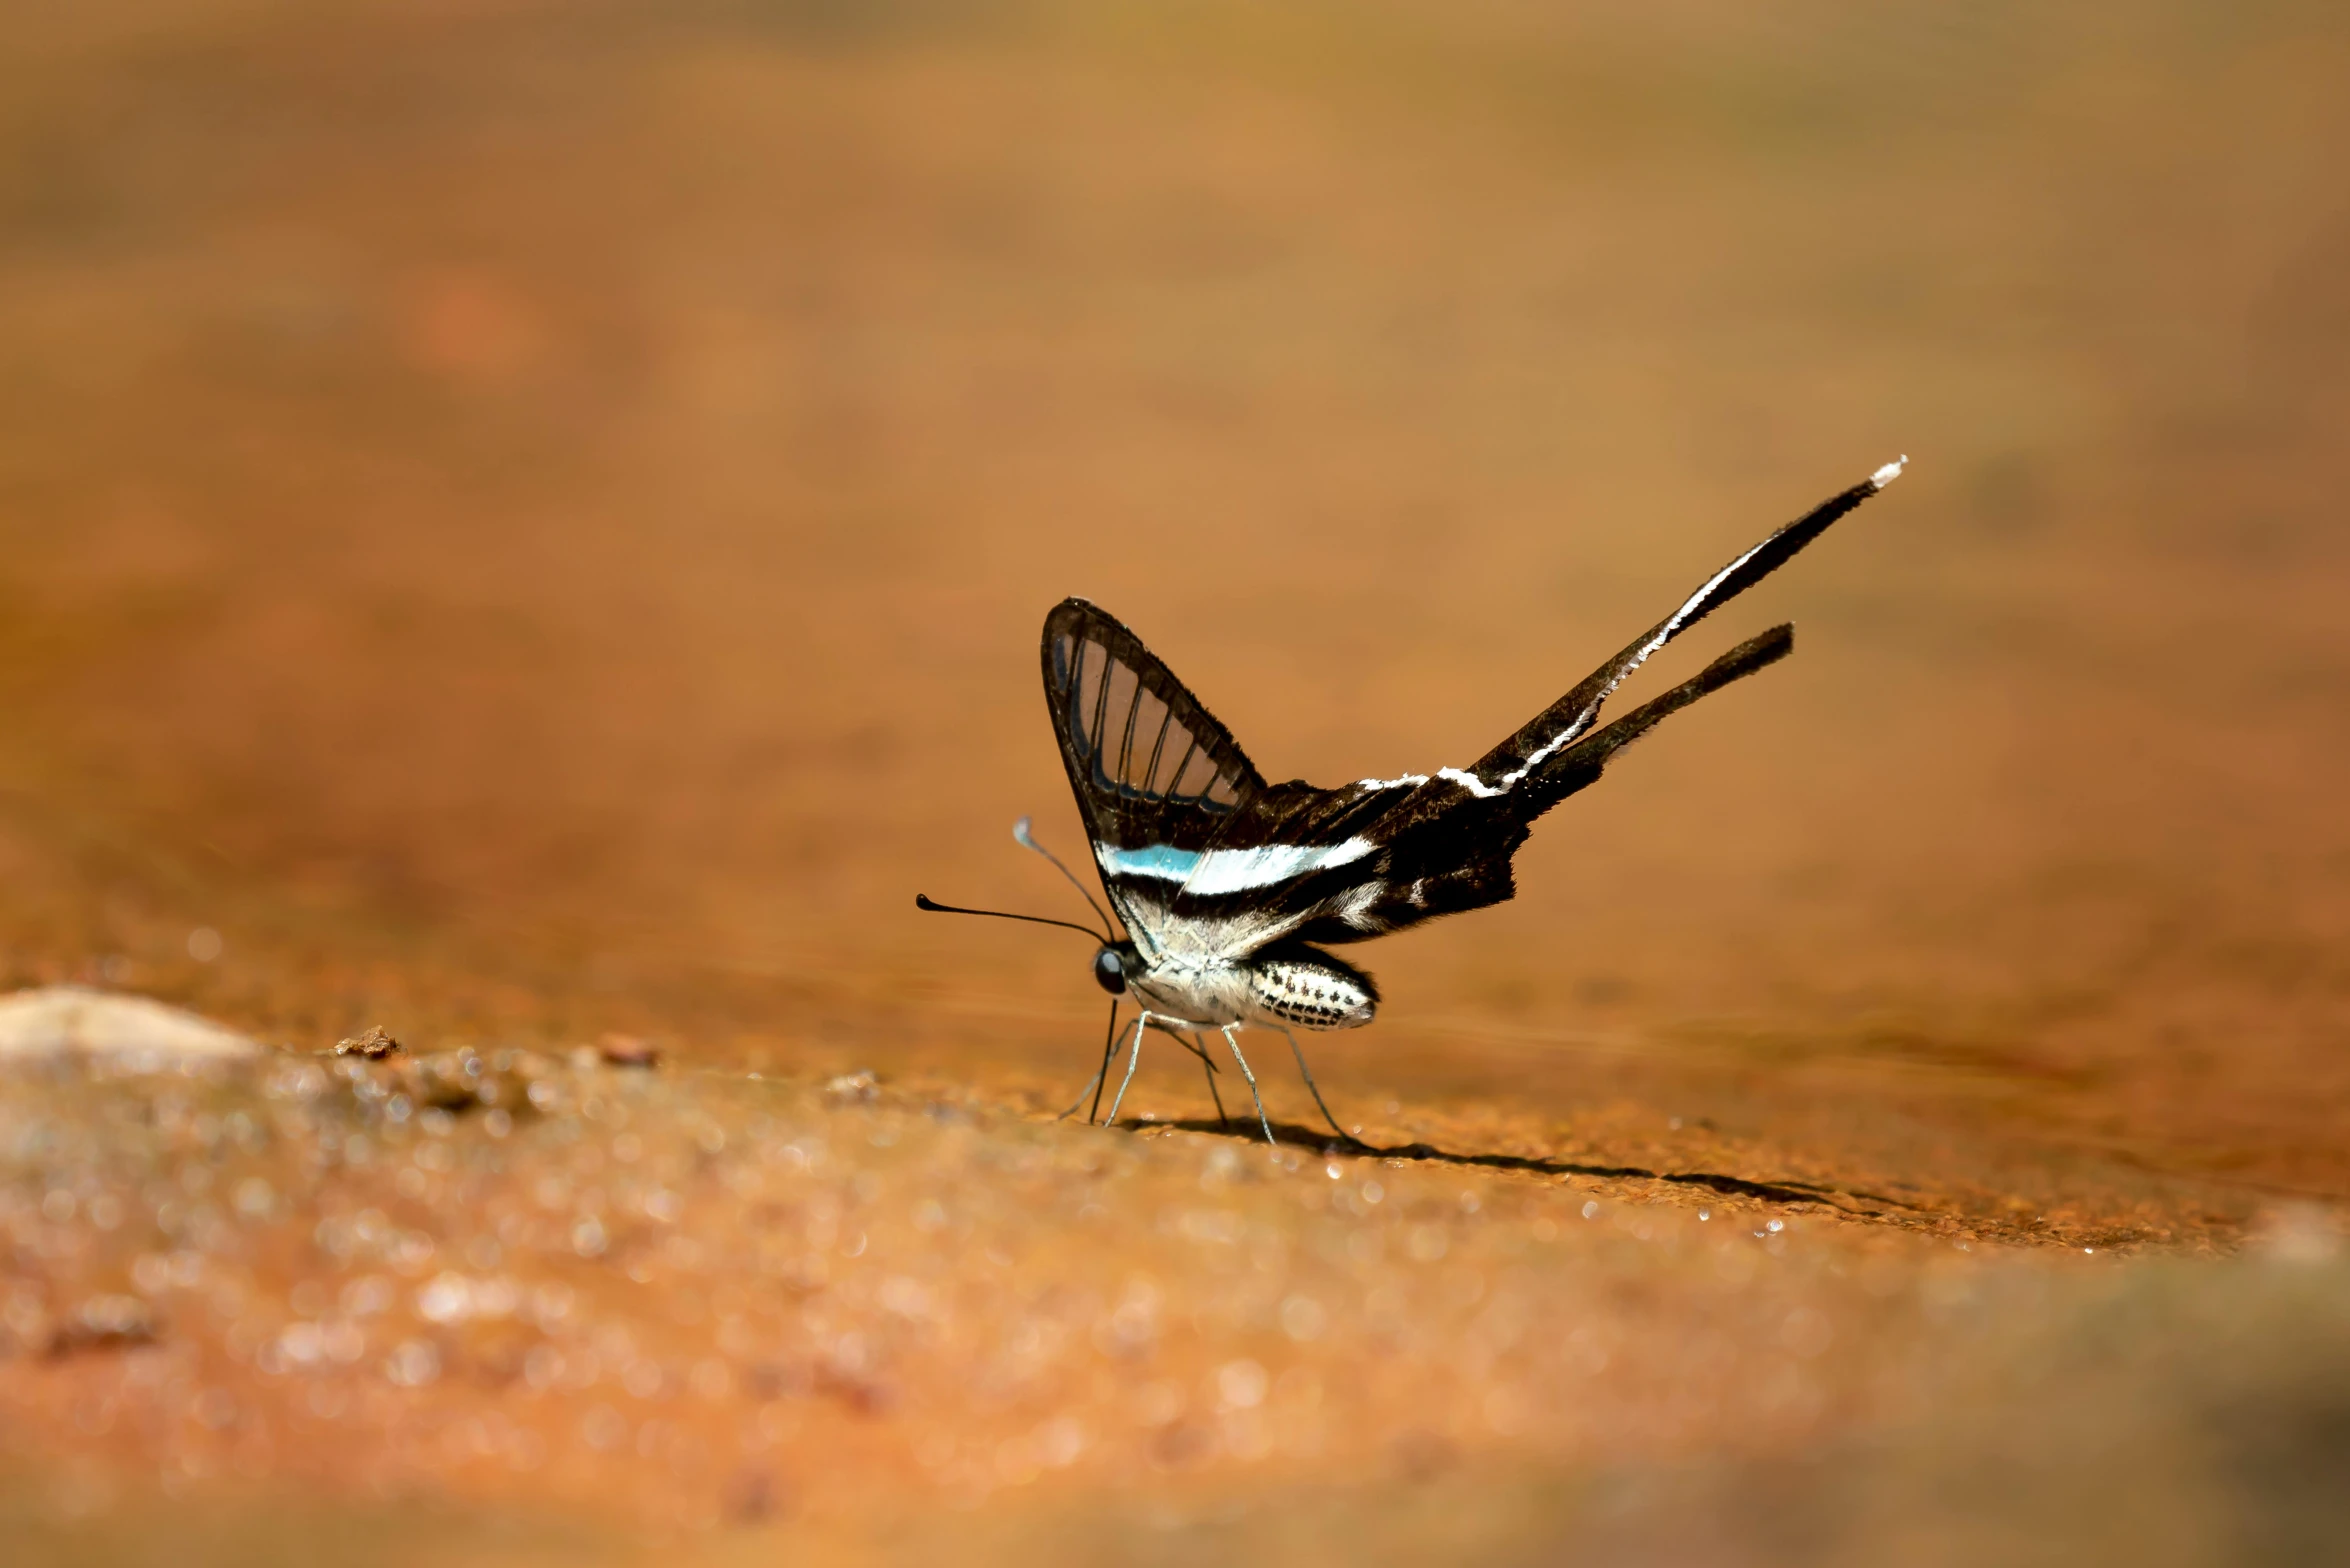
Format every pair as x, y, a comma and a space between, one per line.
1231, 888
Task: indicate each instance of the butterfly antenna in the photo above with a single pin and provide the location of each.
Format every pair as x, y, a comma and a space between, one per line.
1027, 840
923, 901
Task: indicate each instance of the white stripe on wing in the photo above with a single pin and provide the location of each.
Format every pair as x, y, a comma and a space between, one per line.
1229, 870
1576, 727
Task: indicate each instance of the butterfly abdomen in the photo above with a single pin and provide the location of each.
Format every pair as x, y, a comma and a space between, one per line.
1311, 993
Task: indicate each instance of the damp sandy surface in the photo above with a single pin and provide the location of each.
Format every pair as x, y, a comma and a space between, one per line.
526, 526
702, 1300
641, 1306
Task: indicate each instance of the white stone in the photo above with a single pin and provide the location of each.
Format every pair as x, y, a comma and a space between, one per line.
60, 1019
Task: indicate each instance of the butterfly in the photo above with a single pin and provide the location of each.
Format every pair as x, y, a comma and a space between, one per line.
1232, 889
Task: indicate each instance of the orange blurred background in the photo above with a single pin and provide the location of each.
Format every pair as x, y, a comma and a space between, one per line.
533, 519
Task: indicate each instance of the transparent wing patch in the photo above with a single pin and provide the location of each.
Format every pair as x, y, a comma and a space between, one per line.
1150, 765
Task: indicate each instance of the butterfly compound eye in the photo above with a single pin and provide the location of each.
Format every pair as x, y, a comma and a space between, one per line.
1109, 971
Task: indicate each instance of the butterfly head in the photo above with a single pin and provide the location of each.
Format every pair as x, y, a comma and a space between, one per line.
1113, 963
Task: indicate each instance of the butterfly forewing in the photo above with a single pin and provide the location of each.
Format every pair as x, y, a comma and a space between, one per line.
1151, 767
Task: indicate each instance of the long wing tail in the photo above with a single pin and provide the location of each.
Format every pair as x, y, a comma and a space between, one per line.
1580, 764
1568, 721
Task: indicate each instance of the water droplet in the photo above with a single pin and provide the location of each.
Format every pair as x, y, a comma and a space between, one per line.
413, 1363
711, 1379
1240, 1385
448, 1299
542, 1367
367, 1295
588, 1238
1158, 1404
550, 1304
1059, 1442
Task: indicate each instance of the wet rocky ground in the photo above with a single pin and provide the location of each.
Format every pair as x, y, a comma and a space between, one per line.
671, 1310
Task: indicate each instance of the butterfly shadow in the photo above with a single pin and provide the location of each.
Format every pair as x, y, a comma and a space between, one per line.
1296, 1134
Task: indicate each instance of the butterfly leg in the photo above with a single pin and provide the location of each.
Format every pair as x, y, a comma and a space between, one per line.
1080, 1100
1132, 1058
1094, 1084
1208, 1062
1232, 1039
1315, 1087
